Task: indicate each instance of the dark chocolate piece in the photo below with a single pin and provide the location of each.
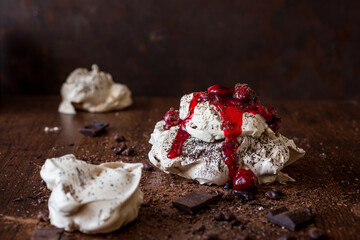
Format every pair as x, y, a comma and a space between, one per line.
291, 220
245, 195
47, 233
94, 129
192, 202
118, 150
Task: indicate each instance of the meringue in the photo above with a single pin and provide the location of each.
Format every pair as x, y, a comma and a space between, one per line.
92, 198
93, 91
193, 147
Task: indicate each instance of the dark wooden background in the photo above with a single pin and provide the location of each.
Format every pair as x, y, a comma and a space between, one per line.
285, 49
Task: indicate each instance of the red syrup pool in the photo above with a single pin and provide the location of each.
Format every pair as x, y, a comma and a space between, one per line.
231, 104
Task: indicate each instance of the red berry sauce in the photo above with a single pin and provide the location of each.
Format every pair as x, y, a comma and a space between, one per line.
231, 104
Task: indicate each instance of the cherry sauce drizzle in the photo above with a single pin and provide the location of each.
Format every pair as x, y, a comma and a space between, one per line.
231, 109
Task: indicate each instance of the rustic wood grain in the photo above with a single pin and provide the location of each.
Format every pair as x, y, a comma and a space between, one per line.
327, 177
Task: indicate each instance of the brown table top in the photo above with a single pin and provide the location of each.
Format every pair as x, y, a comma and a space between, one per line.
327, 177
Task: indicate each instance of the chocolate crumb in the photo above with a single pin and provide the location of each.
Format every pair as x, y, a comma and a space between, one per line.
128, 152
148, 167
71, 144
118, 150
119, 138
276, 190
316, 233
212, 236
219, 216
229, 217
272, 195
247, 196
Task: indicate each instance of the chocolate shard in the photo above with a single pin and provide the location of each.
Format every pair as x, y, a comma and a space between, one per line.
47, 233
194, 201
94, 129
120, 149
291, 220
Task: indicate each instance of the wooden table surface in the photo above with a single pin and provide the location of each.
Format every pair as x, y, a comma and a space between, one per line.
327, 177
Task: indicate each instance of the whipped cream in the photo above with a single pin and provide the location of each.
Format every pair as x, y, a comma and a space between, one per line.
93, 91
92, 198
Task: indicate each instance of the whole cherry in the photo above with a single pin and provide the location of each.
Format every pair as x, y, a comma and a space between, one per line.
171, 118
245, 93
245, 180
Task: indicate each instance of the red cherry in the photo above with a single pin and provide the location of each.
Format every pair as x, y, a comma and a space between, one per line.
245, 180
171, 119
245, 93
220, 90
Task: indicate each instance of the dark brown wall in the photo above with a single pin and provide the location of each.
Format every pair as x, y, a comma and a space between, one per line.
284, 49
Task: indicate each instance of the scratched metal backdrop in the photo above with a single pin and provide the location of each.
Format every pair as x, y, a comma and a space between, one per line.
307, 49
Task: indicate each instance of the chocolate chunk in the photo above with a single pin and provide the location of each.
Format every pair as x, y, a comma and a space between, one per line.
291, 220
219, 216
148, 167
128, 152
316, 233
212, 236
243, 194
192, 202
48, 233
94, 129
118, 150
272, 195
119, 138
